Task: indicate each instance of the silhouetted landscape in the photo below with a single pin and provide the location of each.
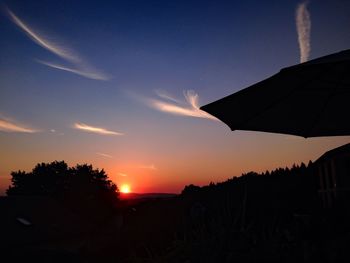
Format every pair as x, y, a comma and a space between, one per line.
58, 213
174, 131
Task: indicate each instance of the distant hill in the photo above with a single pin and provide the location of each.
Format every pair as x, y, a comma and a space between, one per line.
146, 195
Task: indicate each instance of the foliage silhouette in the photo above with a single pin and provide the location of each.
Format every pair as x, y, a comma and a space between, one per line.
57, 180
190, 189
271, 216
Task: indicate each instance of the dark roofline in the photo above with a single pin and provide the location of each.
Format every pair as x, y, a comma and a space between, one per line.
331, 153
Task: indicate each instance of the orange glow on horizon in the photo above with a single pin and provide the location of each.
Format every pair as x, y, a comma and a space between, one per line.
125, 189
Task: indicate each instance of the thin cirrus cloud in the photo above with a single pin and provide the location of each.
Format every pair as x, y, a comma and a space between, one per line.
7, 125
164, 95
149, 167
105, 155
86, 72
122, 174
93, 129
80, 67
56, 132
174, 106
303, 23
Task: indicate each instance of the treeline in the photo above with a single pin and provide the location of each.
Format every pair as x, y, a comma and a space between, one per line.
283, 192
257, 217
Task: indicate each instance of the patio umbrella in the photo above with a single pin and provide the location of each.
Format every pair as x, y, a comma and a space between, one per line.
309, 99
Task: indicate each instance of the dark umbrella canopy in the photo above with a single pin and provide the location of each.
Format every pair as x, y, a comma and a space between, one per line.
309, 99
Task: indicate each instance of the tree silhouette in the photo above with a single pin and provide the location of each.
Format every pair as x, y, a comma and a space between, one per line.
190, 189
56, 179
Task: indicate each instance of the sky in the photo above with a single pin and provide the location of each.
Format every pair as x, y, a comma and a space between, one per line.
118, 84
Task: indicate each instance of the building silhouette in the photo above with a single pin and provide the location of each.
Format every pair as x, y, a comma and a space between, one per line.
333, 169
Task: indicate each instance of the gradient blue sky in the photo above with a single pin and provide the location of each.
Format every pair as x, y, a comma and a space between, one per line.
129, 56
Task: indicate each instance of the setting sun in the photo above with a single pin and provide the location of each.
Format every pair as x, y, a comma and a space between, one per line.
125, 188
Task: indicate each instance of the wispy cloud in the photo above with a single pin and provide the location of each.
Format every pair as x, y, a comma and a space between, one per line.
165, 95
83, 70
99, 130
122, 174
7, 125
80, 66
56, 132
188, 108
150, 167
105, 155
303, 23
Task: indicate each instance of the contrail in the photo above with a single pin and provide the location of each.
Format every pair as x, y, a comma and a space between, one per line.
80, 66
303, 23
99, 130
191, 109
10, 126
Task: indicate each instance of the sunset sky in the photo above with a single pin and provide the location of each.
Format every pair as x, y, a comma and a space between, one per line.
117, 84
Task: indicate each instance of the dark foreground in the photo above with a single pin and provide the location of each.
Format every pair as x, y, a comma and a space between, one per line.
255, 218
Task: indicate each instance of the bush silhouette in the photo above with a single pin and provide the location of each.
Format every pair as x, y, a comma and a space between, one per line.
57, 180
